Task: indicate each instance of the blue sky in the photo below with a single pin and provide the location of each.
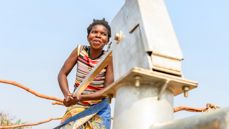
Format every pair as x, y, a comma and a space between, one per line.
36, 36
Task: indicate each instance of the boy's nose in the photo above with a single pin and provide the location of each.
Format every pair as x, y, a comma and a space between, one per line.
98, 35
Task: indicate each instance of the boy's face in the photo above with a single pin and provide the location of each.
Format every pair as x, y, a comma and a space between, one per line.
98, 37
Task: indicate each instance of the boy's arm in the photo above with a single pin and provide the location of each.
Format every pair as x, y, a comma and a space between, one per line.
62, 76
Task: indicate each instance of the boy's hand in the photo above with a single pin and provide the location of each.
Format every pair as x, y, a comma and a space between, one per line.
70, 100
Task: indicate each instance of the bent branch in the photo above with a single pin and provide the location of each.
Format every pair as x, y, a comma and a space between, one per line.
31, 124
208, 107
31, 91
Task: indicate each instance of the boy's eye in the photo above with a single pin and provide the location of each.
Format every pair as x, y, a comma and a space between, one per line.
104, 34
93, 32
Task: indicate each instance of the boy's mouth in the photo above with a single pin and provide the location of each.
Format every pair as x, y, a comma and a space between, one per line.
97, 42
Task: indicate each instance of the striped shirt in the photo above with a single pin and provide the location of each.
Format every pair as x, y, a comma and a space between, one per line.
84, 66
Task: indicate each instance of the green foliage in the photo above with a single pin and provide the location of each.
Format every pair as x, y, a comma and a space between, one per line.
6, 120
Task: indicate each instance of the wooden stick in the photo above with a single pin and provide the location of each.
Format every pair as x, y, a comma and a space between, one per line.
187, 108
29, 124
191, 109
57, 103
31, 91
93, 73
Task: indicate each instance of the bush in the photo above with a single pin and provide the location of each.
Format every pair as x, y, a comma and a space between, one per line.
6, 120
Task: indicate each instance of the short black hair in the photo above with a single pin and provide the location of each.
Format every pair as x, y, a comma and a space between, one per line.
99, 22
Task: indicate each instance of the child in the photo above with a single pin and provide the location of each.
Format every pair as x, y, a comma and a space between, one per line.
98, 35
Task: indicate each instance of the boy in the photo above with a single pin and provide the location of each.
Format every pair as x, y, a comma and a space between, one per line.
98, 35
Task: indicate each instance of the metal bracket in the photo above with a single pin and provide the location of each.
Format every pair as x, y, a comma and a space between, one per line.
137, 81
185, 90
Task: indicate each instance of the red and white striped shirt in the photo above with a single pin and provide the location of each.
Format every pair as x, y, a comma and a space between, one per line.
84, 66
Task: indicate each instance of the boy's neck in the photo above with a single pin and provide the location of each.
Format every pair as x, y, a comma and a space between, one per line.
93, 54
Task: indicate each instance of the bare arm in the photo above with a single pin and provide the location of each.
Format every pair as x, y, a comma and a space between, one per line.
62, 76
109, 77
